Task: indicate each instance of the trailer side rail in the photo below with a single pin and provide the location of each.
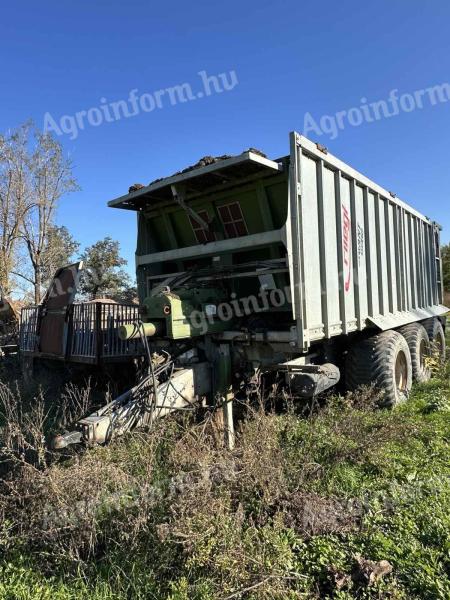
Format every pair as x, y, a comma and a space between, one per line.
92, 331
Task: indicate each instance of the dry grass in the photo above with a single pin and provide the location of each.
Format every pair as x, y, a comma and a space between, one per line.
173, 514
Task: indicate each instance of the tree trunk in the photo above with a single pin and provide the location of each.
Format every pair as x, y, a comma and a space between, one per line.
5, 269
37, 283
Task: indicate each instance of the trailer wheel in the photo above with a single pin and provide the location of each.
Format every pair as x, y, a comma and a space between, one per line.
383, 360
420, 349
437, 337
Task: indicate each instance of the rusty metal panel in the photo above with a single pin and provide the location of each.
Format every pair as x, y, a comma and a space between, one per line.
53, 326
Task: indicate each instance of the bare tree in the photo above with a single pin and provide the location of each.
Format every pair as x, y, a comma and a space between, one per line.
50, 179
34, 175
59, 250
15, 198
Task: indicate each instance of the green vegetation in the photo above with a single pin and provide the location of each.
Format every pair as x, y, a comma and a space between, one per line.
445, 255
103, 275
445, 252
293, 512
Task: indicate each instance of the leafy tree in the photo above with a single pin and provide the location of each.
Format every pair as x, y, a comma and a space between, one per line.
103, 275
59, 250
445, 256
127, 294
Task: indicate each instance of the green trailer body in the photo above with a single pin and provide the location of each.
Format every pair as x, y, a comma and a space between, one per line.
262, 206
297, 270
352, 255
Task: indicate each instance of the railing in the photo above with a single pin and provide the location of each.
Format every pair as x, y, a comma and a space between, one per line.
112, 317
92, 331
28, 328
83, 330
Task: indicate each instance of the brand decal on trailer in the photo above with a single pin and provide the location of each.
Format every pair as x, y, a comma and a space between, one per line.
346, 242
361, 244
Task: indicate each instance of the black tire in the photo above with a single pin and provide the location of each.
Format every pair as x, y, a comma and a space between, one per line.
418, 341
437, 337
384, 361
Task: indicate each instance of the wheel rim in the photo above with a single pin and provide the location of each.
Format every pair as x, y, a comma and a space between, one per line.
401, 372
424, 354
437, 345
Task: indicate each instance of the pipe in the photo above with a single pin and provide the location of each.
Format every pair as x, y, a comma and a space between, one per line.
133, 331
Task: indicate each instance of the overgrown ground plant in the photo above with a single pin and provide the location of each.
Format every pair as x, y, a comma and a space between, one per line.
303, 508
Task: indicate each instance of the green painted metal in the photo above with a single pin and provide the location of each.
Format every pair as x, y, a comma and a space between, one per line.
134, 330
184, 314
263, 203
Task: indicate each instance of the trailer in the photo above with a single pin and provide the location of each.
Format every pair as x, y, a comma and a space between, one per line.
60, 329
299, 268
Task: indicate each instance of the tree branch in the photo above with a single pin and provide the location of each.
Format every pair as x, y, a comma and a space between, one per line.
23, 277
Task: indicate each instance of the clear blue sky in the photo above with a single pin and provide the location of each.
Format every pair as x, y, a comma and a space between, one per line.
290, 58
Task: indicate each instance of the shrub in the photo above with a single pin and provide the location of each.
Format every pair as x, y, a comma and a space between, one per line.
293, 511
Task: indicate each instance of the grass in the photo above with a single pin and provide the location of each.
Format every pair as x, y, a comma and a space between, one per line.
293, 512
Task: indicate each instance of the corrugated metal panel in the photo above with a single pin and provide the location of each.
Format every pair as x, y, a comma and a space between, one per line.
359, 257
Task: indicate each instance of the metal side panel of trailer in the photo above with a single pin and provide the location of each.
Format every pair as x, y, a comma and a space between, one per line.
92, 333
358, 256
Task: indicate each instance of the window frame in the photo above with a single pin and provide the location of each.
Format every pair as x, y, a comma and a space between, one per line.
237, 225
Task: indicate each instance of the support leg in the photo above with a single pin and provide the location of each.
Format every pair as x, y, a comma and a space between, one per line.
225, 391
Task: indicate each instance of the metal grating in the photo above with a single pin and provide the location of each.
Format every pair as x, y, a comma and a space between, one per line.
93, 331
27, 329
